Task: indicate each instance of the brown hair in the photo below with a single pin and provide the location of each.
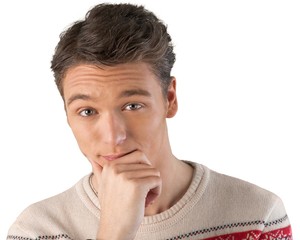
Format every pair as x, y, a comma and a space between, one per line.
113, 34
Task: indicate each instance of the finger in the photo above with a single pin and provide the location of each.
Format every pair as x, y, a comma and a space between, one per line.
152, 195
138, 172
128, 167
154, 185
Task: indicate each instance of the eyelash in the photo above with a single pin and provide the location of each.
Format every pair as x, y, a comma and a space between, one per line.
83, 113
139, 106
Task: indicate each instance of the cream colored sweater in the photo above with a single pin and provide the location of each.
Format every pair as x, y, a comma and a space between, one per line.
215, 206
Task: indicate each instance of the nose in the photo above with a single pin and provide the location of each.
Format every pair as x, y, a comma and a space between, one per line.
112, 130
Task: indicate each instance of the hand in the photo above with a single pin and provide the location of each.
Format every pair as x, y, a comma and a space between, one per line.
126, 186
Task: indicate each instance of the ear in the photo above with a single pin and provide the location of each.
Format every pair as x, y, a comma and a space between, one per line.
172, 104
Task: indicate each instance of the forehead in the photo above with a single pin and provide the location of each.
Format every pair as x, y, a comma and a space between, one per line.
104, 73
92, 79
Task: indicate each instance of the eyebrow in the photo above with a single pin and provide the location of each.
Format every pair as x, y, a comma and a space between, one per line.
78, 97
126, 93
133, 92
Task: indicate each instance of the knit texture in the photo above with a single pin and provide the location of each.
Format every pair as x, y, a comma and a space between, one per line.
215, 206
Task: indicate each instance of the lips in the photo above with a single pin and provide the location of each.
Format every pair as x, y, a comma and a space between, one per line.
112, 157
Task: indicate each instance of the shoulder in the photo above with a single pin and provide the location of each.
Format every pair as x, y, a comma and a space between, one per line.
235, 188
233, 195
230, 201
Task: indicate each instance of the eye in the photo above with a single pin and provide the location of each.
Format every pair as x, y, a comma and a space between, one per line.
87, 112
133, 106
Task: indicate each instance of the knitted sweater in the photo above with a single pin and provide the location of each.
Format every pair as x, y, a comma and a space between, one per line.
215, 206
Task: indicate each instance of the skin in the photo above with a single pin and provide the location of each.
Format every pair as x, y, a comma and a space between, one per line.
118, 117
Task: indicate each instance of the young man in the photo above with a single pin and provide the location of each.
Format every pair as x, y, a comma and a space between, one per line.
113, 72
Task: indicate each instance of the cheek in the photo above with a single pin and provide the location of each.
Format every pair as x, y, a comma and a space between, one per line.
149, 131
83, 138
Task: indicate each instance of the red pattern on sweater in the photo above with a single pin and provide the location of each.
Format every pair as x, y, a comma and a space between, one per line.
277, 234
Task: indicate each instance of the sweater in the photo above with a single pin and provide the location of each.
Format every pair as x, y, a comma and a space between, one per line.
215, 206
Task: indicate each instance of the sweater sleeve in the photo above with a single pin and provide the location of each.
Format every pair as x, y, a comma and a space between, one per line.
278, 225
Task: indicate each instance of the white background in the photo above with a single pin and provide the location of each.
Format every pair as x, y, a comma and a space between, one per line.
238, 72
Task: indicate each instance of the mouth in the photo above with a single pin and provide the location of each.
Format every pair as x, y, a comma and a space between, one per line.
112, 157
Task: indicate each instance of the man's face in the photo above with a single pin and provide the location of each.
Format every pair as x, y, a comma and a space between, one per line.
114, 111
